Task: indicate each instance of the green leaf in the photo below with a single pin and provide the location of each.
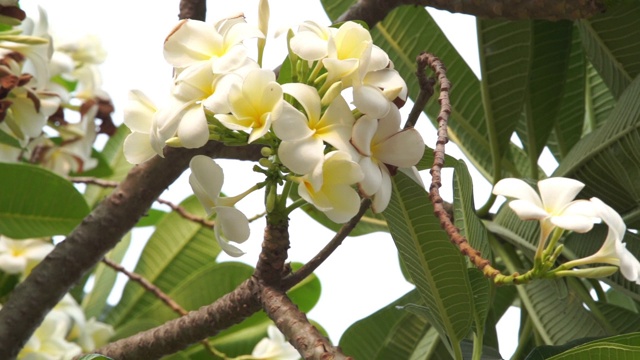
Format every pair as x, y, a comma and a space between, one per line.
9, 140
599, 101
465, 214
95, 301
435, 265
505, 61
113, 155
94, 357
611, 42
151, 218
481, 287
177, 249
622, 320
608, 159
551, 49
35, 202
426, 162
373, 337
615, 347
369, 223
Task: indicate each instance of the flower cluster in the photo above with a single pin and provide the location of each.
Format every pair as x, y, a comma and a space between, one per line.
556, 209
334, 149
65, 331
43, 86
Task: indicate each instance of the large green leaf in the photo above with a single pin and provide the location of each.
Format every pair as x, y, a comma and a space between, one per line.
114, 157
95, 301
611, 43
551, 49
599, 101
371, 337
435, 265
505, 61
35, 202
7, 139
622, 320
608, 159
177, 249
620, 347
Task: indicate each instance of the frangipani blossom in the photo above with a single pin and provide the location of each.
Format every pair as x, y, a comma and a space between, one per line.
20, 256
49, 342
274, 347
303, 137
613, 250
374, 94
142, 144
231, 224
328, 186
311, 41
382, 143
554, 207
255, 104
193, 45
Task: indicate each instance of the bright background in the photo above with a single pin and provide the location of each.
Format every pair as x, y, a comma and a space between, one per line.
363, 274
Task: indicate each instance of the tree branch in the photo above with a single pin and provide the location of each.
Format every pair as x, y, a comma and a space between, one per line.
193, 9
374, 11
98, 233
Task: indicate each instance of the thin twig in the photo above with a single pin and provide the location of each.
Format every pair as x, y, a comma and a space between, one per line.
308, 268
187, 215
147, 285
426, 59
426, 91
94, 181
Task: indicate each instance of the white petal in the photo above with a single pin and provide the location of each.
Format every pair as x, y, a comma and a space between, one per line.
388, 126
516, 188
137, 148
345, 201
338, 168
527, 210
404, 149
577, 223
383, 196
372, 180
362, 134
292, 124
557, 192
234, 224
371, 101
191, 41
206, 180
193, 130
379, 59
302, 156
138, 112
308, 98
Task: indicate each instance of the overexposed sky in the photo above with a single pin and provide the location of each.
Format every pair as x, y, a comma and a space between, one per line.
363, 274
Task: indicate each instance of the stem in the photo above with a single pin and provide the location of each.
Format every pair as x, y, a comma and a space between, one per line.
296, 204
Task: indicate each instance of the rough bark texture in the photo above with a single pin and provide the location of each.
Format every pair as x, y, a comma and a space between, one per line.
373, 11
193, 9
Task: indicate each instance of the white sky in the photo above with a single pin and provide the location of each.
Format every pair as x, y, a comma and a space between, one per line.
363, 274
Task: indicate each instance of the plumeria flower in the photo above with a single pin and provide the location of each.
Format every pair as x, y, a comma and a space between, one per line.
49, 342
328, 186
374, 94
231, 224
554, 207
311, 42
303, 136
613, 250
193, 45
143, 143
255, 104
382, 143
20, 256
274, 347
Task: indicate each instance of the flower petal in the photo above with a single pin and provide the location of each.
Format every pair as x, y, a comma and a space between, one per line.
138, 112
518, 189
193, 130
301, 156
372, 180
383, 195
292, 125
308, 98
191, 41
137, 148
234, 224
345, 203
371, 101
526, 210
206, 180
404, 149
362, 134
557, 192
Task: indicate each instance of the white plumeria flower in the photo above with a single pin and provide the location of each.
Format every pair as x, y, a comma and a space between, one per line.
94, 335
20, 256
143, 143
374, 94
193, 45
383, 143
231, 224
613, 250
255, 104
311, 42
328, 186
274, 347
554, 207
303, 136
49, 342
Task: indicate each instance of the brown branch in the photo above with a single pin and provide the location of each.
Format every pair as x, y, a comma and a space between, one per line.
426, 92
187, 215
426, 59
98, 233
271, 268
177, 334
193, 9
317, 260
94, 181
294, 324
374, 11
147, 286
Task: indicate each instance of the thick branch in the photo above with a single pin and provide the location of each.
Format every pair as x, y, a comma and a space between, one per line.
374, 11
99, 232
271, 263
294, 324
177, 334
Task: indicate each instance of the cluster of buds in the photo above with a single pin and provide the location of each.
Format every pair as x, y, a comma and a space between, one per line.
50, 97
334, 150
557, 211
